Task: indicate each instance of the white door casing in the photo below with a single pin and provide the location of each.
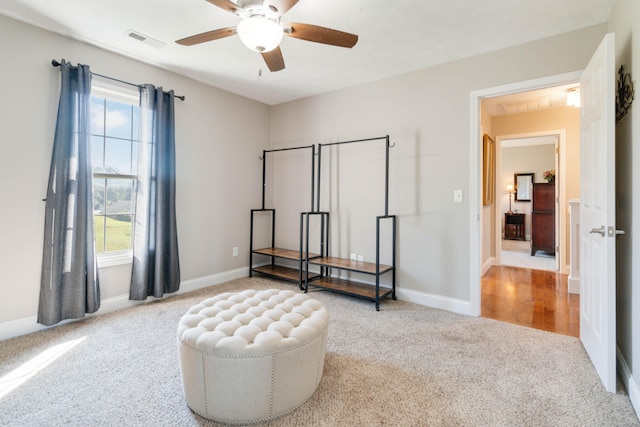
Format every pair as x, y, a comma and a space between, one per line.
597, 212
475, 167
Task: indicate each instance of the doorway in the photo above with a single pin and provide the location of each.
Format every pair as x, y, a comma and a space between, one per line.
530, 297
529, 155
485, 222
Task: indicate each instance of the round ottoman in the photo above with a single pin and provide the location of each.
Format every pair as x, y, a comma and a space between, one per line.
252, 356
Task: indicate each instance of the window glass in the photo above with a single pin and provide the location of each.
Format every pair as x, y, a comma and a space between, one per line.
118, 217
118, 156
118, 121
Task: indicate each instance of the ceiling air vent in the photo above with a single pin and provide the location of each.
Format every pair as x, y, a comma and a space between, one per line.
145, 39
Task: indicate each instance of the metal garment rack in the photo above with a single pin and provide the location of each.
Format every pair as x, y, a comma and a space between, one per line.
273, 269
327, 263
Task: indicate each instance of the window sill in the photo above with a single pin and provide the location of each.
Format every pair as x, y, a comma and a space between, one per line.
113, 259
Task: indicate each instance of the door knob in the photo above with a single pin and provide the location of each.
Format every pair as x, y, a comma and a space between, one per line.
601, 231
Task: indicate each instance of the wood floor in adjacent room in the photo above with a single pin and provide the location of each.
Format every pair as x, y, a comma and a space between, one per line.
535, 298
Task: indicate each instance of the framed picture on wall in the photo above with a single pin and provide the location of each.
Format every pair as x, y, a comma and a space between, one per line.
488, 169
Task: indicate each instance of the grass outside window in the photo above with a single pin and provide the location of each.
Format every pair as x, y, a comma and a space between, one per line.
119, 234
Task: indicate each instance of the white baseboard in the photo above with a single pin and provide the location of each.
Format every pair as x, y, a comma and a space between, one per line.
435, 301
428, 300
213, 279
487, 265
629, 382
573, 285
30, 324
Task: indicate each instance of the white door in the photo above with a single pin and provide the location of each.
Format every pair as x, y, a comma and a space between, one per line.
597, 212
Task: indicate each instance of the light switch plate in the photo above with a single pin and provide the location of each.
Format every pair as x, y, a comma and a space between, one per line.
457, 196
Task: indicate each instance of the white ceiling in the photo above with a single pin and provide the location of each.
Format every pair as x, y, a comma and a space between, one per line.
395, 36
525, 102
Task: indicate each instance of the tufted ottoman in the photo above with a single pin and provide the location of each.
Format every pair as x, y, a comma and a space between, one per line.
252, 356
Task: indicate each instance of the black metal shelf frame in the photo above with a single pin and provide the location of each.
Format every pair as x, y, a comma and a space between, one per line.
326, 271
273, 210
305, 218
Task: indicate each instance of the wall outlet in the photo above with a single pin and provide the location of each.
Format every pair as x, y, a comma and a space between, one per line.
360, 258
235, 251
353, 257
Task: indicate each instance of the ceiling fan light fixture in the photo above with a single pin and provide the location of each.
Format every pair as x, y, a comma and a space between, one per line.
259, 33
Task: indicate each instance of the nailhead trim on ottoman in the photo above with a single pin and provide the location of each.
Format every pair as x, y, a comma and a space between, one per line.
252, 356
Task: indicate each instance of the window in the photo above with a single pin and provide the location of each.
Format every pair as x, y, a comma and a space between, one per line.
114, 138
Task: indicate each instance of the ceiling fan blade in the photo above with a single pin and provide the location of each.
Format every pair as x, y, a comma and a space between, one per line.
274, 59
314, 33
281, 6
227, 5
208, 36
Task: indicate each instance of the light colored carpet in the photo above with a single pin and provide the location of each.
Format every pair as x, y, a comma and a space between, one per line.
405, 365
517, 253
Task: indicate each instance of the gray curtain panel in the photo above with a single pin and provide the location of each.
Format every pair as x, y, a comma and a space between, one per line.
156, 267
69, 285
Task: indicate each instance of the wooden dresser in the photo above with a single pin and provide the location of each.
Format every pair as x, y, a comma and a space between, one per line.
543, 218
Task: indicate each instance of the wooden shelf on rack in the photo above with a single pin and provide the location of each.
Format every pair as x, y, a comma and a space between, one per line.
348, 287
279, 271
345, 264
282, 253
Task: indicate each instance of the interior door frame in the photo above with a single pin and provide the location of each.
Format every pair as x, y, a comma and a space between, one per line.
560, 223
475, 166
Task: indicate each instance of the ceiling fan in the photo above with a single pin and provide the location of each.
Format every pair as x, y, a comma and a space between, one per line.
261, 30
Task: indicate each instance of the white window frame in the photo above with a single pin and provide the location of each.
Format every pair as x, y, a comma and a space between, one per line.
127, 95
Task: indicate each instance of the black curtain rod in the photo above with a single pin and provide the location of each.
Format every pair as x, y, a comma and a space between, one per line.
57, 64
